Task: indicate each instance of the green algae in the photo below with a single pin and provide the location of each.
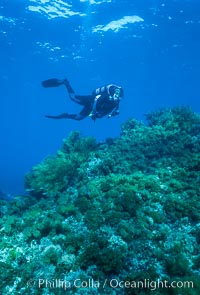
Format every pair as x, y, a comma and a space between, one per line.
126, 209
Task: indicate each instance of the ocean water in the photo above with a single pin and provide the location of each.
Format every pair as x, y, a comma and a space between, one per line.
150, 47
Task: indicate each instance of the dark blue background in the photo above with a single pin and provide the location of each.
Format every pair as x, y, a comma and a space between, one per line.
156, 61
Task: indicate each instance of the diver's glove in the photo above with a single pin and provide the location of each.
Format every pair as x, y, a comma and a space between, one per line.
115, 113
92, 115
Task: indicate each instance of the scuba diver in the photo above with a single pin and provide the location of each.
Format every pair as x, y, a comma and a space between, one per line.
103, 101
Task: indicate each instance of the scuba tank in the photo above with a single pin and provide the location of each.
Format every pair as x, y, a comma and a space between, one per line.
100, 90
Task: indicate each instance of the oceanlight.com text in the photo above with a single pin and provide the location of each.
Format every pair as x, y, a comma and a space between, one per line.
108, 283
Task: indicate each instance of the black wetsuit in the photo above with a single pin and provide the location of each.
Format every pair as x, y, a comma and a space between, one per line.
96, 105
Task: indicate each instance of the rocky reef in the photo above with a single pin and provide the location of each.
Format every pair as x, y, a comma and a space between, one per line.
116, 217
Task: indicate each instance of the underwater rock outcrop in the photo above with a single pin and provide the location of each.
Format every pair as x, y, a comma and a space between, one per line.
118, 217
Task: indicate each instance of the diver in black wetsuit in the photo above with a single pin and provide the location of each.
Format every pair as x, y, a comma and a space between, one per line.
103, 101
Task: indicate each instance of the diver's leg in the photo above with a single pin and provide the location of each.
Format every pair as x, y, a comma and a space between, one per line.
83, 100
77, 117
68, 86
83, 114
61, 116
55, 82
71, 92
85, 111
80, 99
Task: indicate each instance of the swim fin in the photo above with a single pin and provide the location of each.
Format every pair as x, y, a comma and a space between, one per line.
52, 83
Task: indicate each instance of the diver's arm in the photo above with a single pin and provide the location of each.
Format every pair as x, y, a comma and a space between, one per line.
114, 112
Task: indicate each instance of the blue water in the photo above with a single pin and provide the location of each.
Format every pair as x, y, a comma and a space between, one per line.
150, 47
